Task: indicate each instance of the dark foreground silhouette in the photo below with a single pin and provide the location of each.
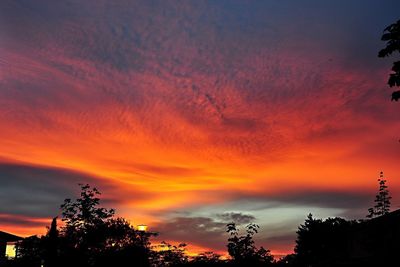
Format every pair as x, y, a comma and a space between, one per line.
391, 35
92, 236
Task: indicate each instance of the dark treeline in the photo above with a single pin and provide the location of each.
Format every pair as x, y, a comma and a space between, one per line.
93, 236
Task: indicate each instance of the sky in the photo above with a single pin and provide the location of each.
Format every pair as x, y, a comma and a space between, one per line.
188, 115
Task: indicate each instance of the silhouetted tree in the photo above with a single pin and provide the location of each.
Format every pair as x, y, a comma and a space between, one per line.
242, 248
85, 226
382, 199
37, 251
207, 259
51, 245
392, 37
321, 242
93, 237
167, 255
124, 244
288, 260
84, 211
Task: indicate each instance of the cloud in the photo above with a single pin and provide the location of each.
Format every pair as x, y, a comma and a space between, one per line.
350, 204
236, 217
278, 215
299, 196
210, 232
327, 199
38, 191
22, 221
280, 243
201, 231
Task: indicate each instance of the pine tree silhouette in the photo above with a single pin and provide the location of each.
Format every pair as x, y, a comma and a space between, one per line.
382, 200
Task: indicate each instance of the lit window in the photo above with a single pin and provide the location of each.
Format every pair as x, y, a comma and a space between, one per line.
10, 250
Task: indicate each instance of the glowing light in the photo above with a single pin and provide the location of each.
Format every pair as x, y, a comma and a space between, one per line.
10, 250
142, 227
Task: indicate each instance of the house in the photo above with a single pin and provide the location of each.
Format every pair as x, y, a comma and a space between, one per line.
7, 245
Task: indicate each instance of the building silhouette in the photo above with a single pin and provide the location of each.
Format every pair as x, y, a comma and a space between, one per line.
7, 245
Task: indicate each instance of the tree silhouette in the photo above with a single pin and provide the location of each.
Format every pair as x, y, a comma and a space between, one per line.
90, 237
93, 237
288, 260
85, 226
84, 211
207, 259
322, 242
35, 251
242, 249
167, 255
392, 37
51, 244
382, 199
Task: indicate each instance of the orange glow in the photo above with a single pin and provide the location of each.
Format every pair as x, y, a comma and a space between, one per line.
142, 227
25, 230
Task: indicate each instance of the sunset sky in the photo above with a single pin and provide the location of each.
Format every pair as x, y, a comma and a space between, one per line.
188, 115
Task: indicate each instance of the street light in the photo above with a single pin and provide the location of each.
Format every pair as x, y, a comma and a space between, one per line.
142, 227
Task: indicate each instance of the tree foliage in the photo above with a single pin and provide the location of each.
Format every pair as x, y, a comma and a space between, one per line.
208, 258
166, 255
51, 244
391, 36
382, 199
320, 242
242, 248
91, 236
85, 212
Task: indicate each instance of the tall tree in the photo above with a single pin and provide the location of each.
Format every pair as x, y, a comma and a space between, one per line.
382, 199
85, 211
92, 236
322, 242
242, 248
391, 35
51, 245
